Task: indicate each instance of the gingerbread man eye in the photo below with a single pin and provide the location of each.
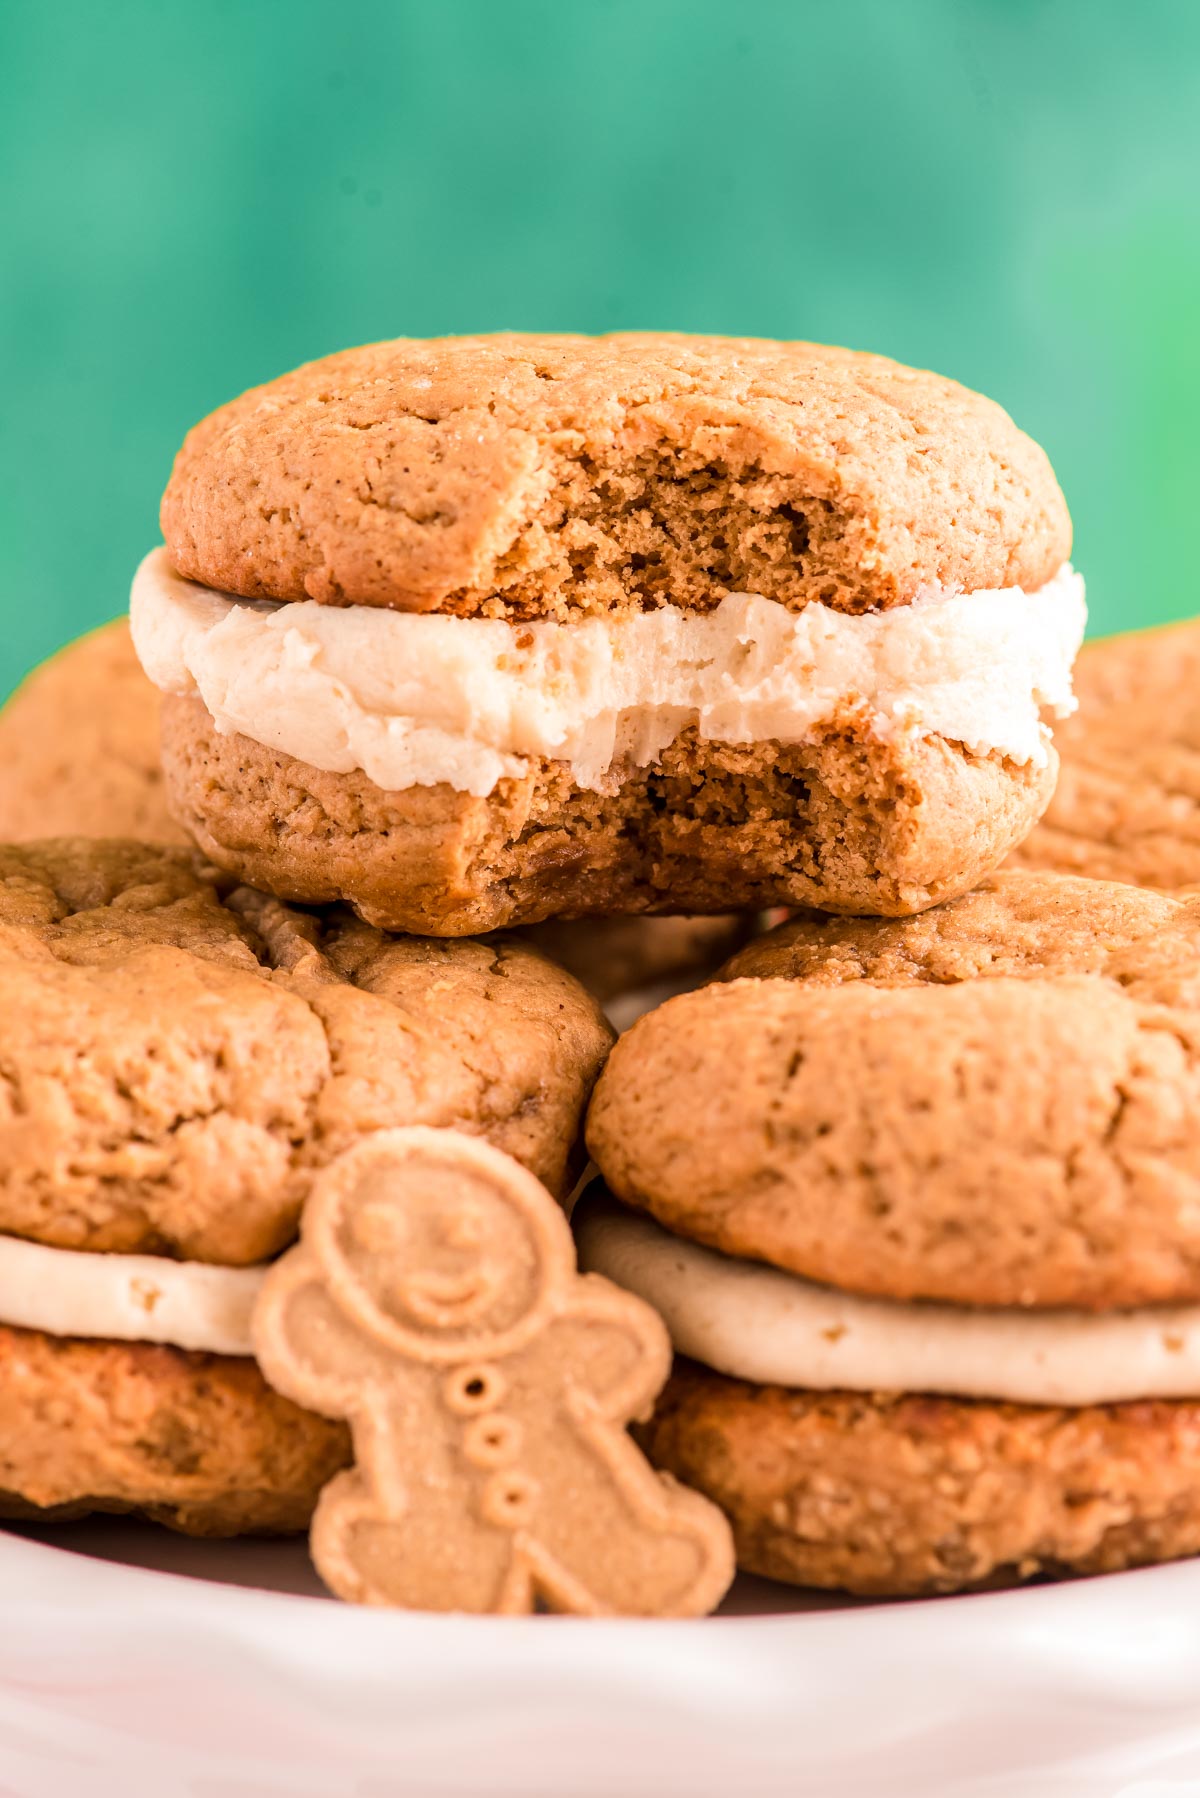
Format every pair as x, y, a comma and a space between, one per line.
463, 1229
378, 1228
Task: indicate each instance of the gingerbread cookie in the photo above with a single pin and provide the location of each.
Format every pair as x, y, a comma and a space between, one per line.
180, 1059
949, 1160
1128, 800
485, 631
79, 754
434, 1304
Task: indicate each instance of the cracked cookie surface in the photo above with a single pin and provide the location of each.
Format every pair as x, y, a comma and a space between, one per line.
177, 1057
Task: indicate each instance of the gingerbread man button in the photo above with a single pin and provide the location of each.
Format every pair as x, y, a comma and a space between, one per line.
434, 1302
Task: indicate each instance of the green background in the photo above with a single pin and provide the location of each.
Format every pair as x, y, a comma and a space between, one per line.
199, 195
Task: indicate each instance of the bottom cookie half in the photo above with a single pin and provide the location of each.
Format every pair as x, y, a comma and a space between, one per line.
197, 1442
905, 1495
846, 824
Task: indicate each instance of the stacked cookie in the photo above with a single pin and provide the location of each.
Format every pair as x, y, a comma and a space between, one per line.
918, 1201
456, 636
180, 1060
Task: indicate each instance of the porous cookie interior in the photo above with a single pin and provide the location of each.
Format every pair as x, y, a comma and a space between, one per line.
993, 1104
845, 822
179, 1055
543, 476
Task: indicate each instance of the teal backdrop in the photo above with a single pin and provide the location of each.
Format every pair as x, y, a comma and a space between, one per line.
197, 195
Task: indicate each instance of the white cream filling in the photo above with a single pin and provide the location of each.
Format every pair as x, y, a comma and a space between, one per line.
757, 1323
419, 699
127, 1298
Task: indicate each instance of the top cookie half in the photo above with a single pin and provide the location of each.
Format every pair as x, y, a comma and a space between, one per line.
547, 476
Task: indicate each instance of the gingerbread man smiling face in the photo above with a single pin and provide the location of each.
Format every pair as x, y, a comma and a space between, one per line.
435, 1304
453, 1261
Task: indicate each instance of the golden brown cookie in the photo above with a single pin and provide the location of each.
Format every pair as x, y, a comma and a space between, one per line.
198, 1442
632, 624
177, 1060
1128, 800
992, 1109
179, 1057
79, 753
909, 1495
528, 476
433, 1302
997, 1103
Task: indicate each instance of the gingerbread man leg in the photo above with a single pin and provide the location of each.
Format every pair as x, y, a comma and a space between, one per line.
432, 1558
636, 1543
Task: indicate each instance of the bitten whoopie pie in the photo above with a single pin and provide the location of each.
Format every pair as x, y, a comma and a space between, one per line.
178, 1061
1127, 805
920, 1204
484, 631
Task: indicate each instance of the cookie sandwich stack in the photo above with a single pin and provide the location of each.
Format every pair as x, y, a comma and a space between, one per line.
457, 636
917, 1200
181, 1059
486, 631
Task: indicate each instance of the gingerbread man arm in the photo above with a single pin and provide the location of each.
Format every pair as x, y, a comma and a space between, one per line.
612, 1348
307, 1348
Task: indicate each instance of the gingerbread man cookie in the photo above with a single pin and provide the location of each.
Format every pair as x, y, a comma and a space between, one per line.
434, 1303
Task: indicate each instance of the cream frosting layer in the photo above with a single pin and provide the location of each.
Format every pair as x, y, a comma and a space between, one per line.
421, 699
757, 1323
127, 1298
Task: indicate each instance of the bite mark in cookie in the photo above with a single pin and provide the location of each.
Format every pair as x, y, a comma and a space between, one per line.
531, 476
676, 625
844, 823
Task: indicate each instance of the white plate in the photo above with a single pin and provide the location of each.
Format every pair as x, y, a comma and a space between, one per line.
137, 1665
